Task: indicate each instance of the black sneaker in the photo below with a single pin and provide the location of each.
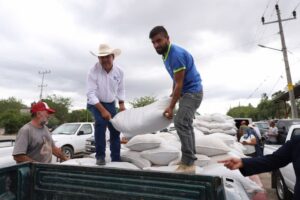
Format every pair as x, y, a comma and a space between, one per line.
100, 161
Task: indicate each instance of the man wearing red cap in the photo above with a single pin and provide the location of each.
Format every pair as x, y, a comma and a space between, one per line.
34, 142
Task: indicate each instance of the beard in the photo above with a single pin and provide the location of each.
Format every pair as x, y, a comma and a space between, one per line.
44, 121
162, 50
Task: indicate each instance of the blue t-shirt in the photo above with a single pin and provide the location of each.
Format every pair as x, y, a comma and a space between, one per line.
177, 59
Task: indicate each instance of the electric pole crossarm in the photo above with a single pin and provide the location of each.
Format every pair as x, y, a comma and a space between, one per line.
272, 22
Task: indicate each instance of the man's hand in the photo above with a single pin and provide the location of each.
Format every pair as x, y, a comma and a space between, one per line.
168, 113
106, 115
232, 163
121, 107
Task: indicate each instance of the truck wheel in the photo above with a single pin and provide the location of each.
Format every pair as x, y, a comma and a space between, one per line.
281, 189
67, 151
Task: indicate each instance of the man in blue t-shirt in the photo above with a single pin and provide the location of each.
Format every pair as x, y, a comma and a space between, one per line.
187, 88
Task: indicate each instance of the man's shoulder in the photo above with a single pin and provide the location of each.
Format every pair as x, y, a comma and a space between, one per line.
25, 127
118, 69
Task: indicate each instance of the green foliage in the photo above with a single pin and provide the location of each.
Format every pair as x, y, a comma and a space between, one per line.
13, 120
266, 109
53, 122
243, 111
10, 117
61, 105
82, 115
142, 101
10, 104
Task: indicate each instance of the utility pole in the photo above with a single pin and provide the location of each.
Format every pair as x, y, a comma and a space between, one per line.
42, 85
290, 85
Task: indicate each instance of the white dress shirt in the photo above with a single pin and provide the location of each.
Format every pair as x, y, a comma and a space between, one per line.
103, 86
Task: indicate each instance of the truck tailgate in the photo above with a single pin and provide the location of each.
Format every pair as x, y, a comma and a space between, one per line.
75, 182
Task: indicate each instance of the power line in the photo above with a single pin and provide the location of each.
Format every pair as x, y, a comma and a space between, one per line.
256, 89
276, 83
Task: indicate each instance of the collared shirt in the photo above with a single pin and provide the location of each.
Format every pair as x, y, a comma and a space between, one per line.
103, 86
177, 59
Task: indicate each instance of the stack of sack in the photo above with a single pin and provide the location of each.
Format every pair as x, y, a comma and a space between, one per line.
214, 141
215, 123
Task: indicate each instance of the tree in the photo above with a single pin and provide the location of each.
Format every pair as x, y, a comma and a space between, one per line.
82, 115
13, 120
10, 117
142, 101
243, 111
11, 104
61, 106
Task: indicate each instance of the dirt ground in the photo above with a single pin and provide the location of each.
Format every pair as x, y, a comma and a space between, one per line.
266, 181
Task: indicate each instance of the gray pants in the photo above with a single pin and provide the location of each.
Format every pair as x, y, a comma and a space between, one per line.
183, 121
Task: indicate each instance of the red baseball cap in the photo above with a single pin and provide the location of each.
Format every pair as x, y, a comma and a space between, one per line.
41, 106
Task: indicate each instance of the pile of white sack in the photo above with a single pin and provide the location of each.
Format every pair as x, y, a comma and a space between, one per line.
214, 138
215, 123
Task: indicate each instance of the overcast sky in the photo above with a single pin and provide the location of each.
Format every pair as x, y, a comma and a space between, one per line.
222, 36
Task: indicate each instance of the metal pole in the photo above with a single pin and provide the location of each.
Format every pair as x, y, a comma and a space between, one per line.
287, 67
42, 85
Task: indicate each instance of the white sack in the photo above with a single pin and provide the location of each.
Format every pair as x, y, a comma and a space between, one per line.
142, 120
205, 117
217, 117
202, 160
211, 146
144, 142
135, 158
219, 170
232, 131
234, 190
228, 139
162, 155
169, 169
203, 129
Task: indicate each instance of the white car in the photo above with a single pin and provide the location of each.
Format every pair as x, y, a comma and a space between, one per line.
71, 137
6, 149
284, 179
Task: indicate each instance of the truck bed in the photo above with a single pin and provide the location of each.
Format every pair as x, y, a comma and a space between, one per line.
47, 181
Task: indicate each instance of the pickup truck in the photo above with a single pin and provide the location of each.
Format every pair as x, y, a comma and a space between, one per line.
71, 137
6, 148
283, 179
37, 181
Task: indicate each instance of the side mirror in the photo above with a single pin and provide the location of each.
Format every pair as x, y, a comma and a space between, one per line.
80, 133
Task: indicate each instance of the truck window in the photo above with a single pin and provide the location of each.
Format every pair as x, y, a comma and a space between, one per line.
296, 132
86, 128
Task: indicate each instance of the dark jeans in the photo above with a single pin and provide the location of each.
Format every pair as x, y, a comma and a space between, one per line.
100, 129
183, 121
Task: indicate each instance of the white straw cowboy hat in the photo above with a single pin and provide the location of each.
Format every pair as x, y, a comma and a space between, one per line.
105, 50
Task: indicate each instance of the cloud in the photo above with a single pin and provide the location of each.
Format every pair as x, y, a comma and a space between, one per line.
222, 37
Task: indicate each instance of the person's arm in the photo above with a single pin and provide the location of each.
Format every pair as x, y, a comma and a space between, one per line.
21, 145
121, 93
250, 166
22, 158
178, 85
252, 141
57, 152
121, 106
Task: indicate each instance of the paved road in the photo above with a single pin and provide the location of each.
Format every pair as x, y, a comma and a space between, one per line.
266, 181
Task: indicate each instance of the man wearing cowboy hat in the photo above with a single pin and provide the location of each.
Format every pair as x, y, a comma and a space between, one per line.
34, 142
105, 86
